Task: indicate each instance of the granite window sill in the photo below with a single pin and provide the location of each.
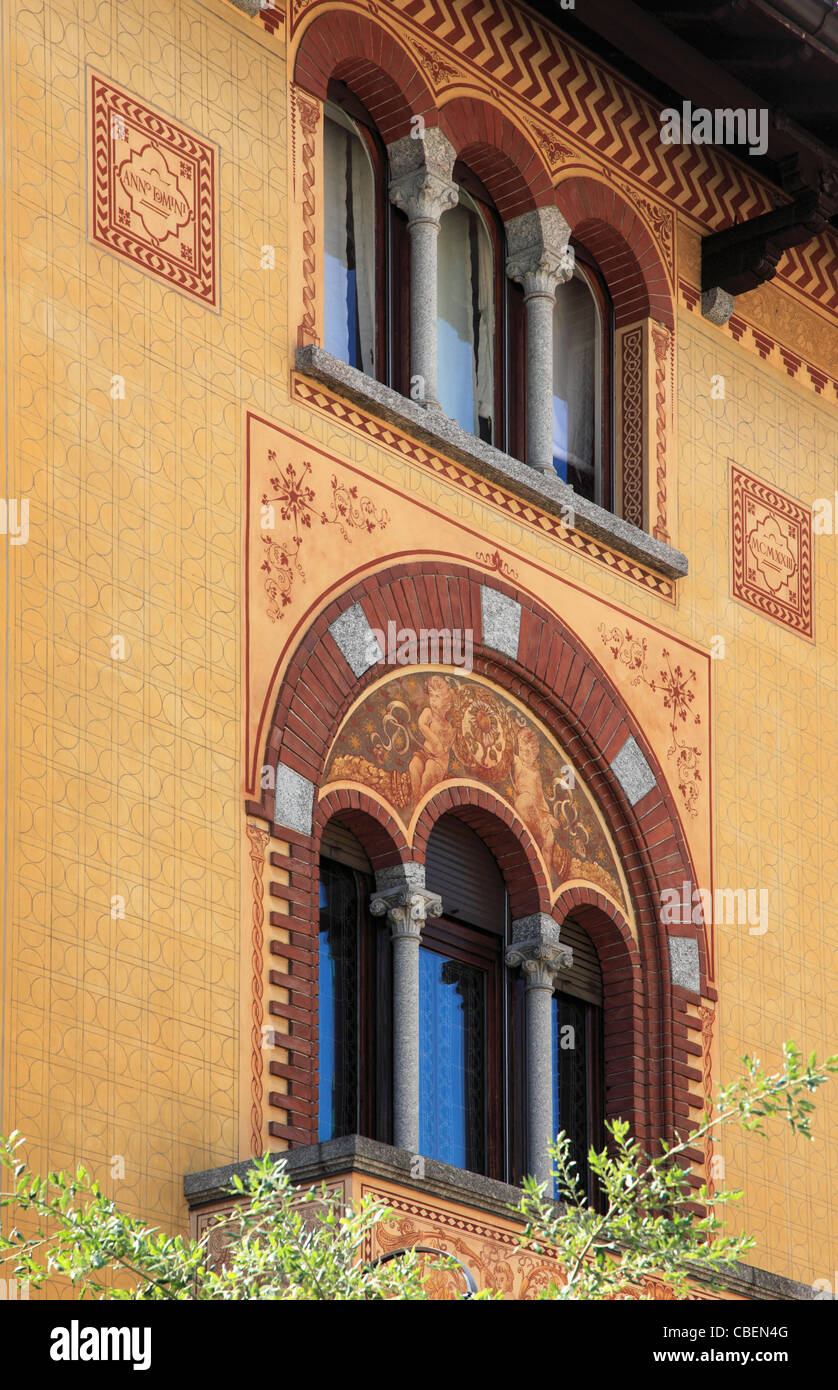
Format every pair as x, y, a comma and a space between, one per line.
315, 1163
437, 431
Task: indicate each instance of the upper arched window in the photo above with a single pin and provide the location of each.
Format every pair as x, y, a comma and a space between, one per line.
366, 270
351, 243
481, 341
466, 317
581, 384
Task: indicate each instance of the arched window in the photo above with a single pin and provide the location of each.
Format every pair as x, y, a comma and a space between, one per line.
355, 997
472, 1059
351, 243
466, 341
462, 1002
577, 1053
366, 272
581, 384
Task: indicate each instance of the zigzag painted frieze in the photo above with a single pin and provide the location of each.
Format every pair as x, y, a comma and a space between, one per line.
609, 118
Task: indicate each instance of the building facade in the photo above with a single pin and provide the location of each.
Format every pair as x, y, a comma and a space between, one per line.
421, 589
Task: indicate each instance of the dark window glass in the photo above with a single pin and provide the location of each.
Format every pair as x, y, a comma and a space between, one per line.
452, 1061
339, 998
356, 1003
577, 1103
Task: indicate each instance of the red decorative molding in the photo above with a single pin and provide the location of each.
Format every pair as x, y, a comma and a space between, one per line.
537, 66
258, 841
802, 371
631, 407
153, 192
771, 552
309, 116
661, 340
318, 397
708, 1017
609, 226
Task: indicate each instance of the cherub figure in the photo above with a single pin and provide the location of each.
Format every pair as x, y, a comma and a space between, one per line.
529, 800
429, 763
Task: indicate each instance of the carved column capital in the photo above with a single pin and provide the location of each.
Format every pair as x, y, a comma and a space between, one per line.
421, 176
536, 948
539, 257
401, 894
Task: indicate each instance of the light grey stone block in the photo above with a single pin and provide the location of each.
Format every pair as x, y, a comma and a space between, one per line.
354, 636
294, 800
683, 962
501, 621
633, 772
717, 305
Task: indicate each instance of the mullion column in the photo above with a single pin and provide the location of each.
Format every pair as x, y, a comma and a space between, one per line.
402, 896
541, 956
539, 259
421, 184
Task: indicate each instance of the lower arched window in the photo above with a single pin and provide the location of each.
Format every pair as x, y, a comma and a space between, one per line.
577, 1053
472, 1014
355, 1011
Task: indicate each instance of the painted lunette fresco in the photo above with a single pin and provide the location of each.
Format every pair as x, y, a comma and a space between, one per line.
415, 733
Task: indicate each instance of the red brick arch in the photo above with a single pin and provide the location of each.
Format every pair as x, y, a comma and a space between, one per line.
378, 69
502, 833
499, 153
371, 823
564, 686
620, 242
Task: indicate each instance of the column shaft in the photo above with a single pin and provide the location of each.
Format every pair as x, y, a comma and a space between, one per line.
540, 1133
406, 1042
540, 381
424, 236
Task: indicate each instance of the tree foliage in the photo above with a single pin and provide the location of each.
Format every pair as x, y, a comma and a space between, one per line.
279, 1241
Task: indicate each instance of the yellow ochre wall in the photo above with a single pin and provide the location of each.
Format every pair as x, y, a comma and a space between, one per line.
128, 1037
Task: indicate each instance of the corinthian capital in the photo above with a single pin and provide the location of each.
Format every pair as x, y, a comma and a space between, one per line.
421, 176
402, 895
536, 948
539, 257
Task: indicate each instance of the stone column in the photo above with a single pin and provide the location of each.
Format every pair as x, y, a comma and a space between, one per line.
540, 260
401, 894
421, 184
537, 950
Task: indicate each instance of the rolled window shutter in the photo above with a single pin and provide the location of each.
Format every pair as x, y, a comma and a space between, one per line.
460, 868
584, 980
340, 844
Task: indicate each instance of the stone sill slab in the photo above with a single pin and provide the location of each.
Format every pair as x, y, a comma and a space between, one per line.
314, 1163
437, 431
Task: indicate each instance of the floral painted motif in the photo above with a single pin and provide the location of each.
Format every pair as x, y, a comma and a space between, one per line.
295, 502
675, 685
